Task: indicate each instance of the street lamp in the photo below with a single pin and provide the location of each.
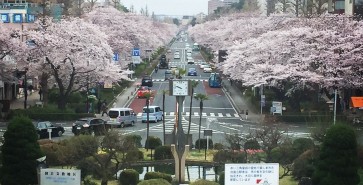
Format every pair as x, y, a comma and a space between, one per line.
19, 74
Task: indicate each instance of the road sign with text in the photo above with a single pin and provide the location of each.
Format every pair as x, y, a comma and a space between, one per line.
136, 52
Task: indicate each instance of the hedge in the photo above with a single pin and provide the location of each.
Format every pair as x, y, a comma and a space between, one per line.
158, 175
163, 152
204, 182
154, 182
203, 144
129, 177
152, 142
134, 155
48, 114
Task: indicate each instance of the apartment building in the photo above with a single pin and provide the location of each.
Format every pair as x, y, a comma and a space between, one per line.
347, 7
214, 4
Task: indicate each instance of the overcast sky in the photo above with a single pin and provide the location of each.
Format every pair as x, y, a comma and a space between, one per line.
169, 7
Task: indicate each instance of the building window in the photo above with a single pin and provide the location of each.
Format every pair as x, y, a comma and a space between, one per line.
339, 5
30, 18
17, 18
5, 18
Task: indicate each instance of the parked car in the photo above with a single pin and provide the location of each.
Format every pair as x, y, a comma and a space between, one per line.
202, 65
43, 126
142, 91
155, 114
92, 126
122, 117
147, 81
192, 72
207, 69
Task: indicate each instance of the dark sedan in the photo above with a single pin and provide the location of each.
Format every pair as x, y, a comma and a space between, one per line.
147, 81
43, 132
92, 126
192, 72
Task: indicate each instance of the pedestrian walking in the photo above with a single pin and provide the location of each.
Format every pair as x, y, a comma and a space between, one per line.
104, 108
246, 114
40, 94
99, 106
156, 69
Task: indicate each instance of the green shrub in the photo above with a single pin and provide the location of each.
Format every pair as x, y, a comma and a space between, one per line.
154, 182
129, 177
167, 168
203, 144
152, 142
133, 138
224, 156
134, 155
49, 113
158, 175
163, 152
88, 181
221, 178
204, 182
218, 146
252, 144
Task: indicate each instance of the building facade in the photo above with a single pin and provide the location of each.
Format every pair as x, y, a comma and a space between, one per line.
214, 4
347, 7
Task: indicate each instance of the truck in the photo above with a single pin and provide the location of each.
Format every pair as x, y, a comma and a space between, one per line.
164, 63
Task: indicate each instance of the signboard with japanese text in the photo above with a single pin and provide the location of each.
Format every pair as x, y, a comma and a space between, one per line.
277, 107
252, 174
50, 176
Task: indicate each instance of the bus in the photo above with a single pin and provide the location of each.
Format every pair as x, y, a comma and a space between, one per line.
215, 80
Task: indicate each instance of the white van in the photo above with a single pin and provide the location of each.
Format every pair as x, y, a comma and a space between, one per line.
155, 114
122, 117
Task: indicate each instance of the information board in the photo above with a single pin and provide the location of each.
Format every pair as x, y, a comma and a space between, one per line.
277, 107
50, 176
252, 174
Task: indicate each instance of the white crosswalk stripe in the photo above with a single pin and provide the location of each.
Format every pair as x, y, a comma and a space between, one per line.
169, 126
196, 114
163, 80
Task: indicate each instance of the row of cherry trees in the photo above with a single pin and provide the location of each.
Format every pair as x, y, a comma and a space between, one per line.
74, 52
270, 50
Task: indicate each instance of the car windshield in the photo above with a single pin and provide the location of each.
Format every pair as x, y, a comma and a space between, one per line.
150, 110
113, 114
191, 69
167, 72
146, 78
143, 88
173, 67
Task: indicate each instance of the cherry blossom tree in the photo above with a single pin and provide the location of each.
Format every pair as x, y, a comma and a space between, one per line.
128, 30
11, 49
72, 54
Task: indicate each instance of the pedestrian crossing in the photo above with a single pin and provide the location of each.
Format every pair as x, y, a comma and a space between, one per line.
183, 63
198, 80
169, 127
204, 114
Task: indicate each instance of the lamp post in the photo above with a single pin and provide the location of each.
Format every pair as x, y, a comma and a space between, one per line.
19, 74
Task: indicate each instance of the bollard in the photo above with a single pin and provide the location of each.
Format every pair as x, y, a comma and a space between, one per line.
128, 97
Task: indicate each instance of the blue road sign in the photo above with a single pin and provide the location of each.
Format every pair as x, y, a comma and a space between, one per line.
115, 57
136, 52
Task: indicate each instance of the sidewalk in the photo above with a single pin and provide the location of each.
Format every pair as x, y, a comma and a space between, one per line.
236, 97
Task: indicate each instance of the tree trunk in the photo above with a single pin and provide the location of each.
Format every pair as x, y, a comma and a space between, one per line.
62, 101
104, 182
44, 85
